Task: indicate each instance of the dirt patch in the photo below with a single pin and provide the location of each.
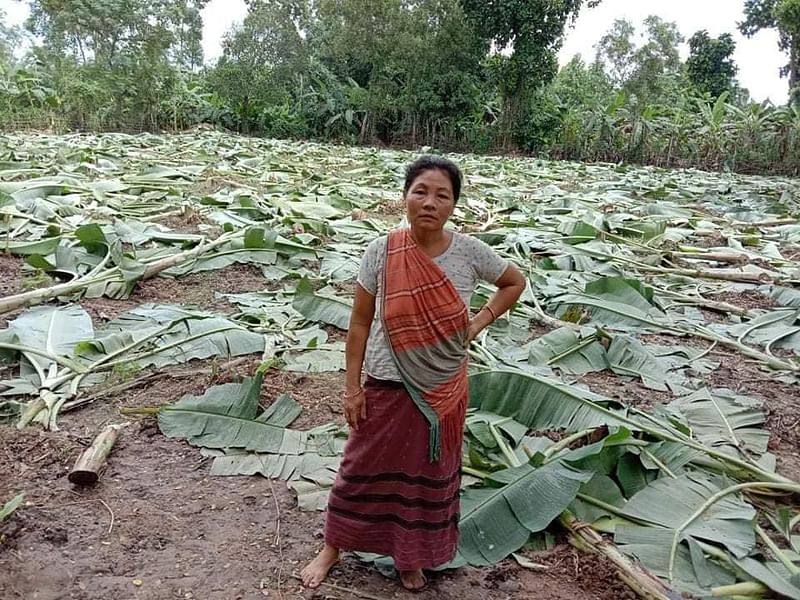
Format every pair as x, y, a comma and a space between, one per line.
537, 330
10, 282
10, 274
780, 400
188, 220
594, 575
712, 316
105, 309
627, 391
213, 184
319, 394
658, 339
791, 253
197, 289
714, 240
747, 299
392, 210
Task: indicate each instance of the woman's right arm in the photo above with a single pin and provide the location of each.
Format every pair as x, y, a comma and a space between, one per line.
355, 403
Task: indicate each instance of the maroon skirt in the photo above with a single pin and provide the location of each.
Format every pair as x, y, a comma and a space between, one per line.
388, 498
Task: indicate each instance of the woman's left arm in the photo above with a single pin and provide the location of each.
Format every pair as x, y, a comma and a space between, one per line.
509, 288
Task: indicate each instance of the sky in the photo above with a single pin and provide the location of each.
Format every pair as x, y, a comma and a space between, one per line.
758, 58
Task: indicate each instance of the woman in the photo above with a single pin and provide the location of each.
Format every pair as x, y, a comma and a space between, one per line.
397, 491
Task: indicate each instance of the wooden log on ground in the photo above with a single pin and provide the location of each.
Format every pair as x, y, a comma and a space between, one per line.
87, 468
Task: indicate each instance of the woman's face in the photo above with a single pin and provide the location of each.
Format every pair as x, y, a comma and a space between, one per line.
429, 200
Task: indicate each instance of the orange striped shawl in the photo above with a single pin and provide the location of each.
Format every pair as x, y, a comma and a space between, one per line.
426, 323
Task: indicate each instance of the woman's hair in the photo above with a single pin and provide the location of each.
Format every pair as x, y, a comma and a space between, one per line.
429, 163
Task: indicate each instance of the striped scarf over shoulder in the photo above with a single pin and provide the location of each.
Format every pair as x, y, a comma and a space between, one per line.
426, 323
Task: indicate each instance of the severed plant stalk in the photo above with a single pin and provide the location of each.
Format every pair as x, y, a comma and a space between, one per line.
585, 538
152, 269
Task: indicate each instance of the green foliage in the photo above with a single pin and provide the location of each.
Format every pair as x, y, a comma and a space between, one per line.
783, 15
638, 103
457, 75
646, 70
710, 66
533, 31
10, 506
114, 64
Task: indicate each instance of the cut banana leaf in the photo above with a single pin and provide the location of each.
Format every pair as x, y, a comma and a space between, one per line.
542, 403
225, 417
323, 309
496, 521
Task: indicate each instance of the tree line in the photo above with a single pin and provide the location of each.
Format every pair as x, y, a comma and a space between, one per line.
463, 75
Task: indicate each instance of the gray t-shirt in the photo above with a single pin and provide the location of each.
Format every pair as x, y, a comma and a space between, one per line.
466, 261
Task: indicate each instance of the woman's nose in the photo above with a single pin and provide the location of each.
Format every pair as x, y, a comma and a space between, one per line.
429, 201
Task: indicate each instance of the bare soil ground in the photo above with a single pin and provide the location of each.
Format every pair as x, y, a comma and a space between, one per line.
158, 527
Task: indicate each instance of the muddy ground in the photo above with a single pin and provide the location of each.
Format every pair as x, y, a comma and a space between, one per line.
158, 527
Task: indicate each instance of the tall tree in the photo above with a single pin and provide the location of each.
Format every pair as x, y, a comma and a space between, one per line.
783, 15
9, 39
710, 66
617, 48
530, 32
418, 61
646, 70
261, 56
117, 60
104, 31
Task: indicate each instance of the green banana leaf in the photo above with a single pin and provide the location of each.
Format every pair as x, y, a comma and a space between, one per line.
728, 523
311, 495
615, 303
54, 331
773, 575
566, 350
323, 360
496, 521
10, 506
724, 420
627, 356
543, 403
222, 259
283, 467
323, 309
180, 334
42, 247
225, 417
778, 328
282, 412
340, 266
692, 574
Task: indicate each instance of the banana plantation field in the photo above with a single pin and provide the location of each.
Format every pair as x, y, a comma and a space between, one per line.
634, 428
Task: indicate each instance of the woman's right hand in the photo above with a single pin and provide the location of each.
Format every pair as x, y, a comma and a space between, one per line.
355, 408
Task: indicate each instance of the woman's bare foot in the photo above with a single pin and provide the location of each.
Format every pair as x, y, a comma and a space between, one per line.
413, 580
315, 572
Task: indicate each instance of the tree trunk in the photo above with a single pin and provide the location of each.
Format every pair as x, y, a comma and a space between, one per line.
794, 72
